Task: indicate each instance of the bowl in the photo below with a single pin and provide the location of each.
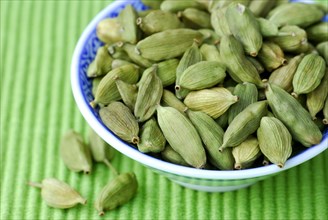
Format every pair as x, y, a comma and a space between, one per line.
204, 180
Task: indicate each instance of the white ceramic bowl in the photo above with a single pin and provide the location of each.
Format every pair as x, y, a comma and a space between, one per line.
205, 180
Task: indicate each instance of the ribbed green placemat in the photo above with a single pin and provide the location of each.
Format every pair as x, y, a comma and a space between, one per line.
37, 41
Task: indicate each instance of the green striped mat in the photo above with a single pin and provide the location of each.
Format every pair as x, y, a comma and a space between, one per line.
37, 41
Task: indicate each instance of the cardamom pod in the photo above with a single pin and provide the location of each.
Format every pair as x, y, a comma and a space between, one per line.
261, 8
102, 63
257, 64
267, 27
283, 76
170, 155
119, 62
58, 194
323, 50
204, 74
316, 99
298, 120
149, 94
100, 150
275, 140
109, 30
195, 18
247, 94
130, 49
175, 6
271, 56
223, 120
116, 192
127, 18
128, 93
181, 135
299, 14
120, 120
318, 32
151, 137
167, 44
154, 4
224, 3
244, 124
75, 153
308, 74
210, 53
166, 71
213, 102
244, 27
209, 36
95, 83
219, 21
169, 99
246, 153
325, 113
212, 136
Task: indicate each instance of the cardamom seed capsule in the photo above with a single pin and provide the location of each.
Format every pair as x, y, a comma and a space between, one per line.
316, 99
325, 112
261, 8
128, 93
102, 63
299, 14
120, 120
213, 102
109, 30
244, 124
283, 76
308, 74
223, 120
293, 40
259, 67
158, 21
166, 71
267, 27
323, 50
151, 137
219, 21
170, 155
195, 18
154, 4
127, 18
209, 36
119, 62
75, 153
181, 135
167, 44
275, 140
107, 90
225, 3
175, 6
116, 192
247, 94
191, 56
239, 68
100, 150
210, 53
204, 74
169, 99
212, 136
58, 194
298, 121
271, 56
135, 57
318, 32
149, 94
246, 153
244, 27
95, 83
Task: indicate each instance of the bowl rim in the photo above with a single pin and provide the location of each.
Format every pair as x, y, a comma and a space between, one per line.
158, 164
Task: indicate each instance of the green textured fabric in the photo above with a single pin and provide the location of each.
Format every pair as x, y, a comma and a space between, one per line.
37, 42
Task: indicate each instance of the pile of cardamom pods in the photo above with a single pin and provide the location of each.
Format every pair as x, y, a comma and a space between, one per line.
214, 84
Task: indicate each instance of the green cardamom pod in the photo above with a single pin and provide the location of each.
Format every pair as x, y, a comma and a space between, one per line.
170, 155
224, 3
271, 56
135, 57
316, 99
154, 4
166, 71
262, 7
257, 64
109, 30
175, 6
95, 83
75, 153
299, 14
209, 36
244, 124
127, 18
267, 27
212, 136
181, 135
223, 120
120, 120
219, 21
275, 140
323, 50
101, 151
107, 90
239, 68
128, 93
283, 76
213, 102
158, 21
325, 112
308, 74
288, 110
246, 153
247, 94
117, 192
119, 62
318, 32
167, 44
204, 74
169, 99
149, 94
151, 137
244, 27
195, 18
117, 52
58, 194
210, 53
102, 63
